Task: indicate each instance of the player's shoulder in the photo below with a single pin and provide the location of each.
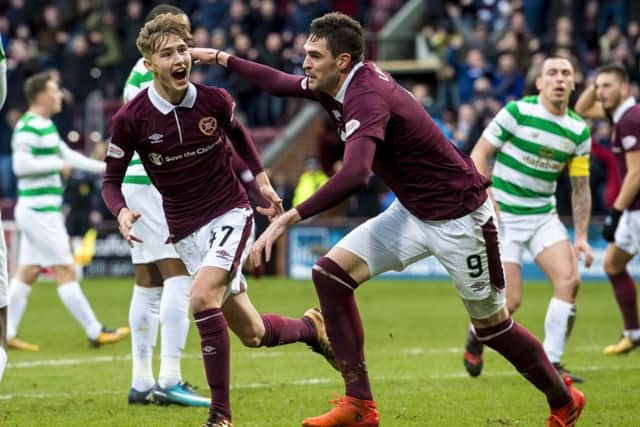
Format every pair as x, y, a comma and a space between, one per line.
575, 116
631, 116
34, 123
368, 83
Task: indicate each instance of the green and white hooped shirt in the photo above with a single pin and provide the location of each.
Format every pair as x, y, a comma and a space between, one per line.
534, 146
139, 79
39, 155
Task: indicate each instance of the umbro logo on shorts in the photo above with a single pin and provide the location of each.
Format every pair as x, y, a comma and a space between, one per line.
221, 253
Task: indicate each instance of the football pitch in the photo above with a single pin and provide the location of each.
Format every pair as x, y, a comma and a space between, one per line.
414, 336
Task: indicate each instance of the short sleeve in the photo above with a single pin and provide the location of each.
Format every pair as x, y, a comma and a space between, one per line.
503, 125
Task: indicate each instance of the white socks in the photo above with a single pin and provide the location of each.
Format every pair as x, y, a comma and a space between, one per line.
77, 304
18, 297
144, 318
174, 324
557, 327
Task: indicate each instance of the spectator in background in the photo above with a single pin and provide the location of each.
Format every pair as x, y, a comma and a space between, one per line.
508, 81
210, 13
79, 73
474, 67
267, 21
128, 29
515, 38
467, 121
236, 22
422, 93
270, 108
611, 11
311, 179
303, 12
295, 54
609, 41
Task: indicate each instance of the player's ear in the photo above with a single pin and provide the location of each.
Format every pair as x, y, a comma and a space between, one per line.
148, 65
538, 84
344, 61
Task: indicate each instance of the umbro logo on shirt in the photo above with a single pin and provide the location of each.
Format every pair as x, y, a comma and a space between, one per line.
156, 138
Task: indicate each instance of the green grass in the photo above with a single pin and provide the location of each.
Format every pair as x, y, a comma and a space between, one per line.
414, 333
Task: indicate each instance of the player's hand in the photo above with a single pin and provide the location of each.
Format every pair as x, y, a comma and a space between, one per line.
267, 239
275, 208
610, 224
126, 219
582, 248
202, 55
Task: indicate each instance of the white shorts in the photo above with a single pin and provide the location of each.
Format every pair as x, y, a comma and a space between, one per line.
534, 233
627, 235
4, 280
151, 227
225, 243
43, 238
467, 247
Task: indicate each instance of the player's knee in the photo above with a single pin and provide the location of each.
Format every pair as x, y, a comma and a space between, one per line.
199, 301
251, 339
64, 274
567, 287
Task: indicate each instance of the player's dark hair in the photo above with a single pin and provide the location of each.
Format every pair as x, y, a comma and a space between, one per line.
36, 84
163, 8
614, 68
342, 33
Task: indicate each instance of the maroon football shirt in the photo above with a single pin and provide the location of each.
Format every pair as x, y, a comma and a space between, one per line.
385, 130
626, 137
184, 151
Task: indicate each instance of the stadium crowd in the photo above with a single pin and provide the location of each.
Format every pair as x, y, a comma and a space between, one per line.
490, 53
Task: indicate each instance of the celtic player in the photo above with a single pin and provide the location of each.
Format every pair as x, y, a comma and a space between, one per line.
40, 157
533, 139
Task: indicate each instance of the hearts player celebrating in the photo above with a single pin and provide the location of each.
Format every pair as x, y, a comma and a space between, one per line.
179, 129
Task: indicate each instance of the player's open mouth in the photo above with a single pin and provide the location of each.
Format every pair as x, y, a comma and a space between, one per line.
179, 76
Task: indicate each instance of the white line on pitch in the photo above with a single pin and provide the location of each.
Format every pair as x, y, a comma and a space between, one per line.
416, 351
311, 382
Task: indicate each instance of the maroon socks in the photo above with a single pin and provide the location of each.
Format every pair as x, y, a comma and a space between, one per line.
344, 327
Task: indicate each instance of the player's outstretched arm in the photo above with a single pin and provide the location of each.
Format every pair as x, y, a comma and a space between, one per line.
79, 161
588, 106
268, 79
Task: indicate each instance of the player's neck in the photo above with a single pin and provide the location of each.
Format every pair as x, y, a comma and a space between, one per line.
343, 77
40, 110
557, 109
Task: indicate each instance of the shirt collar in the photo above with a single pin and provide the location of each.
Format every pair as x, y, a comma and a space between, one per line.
343, 89
165, 107
622, 108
